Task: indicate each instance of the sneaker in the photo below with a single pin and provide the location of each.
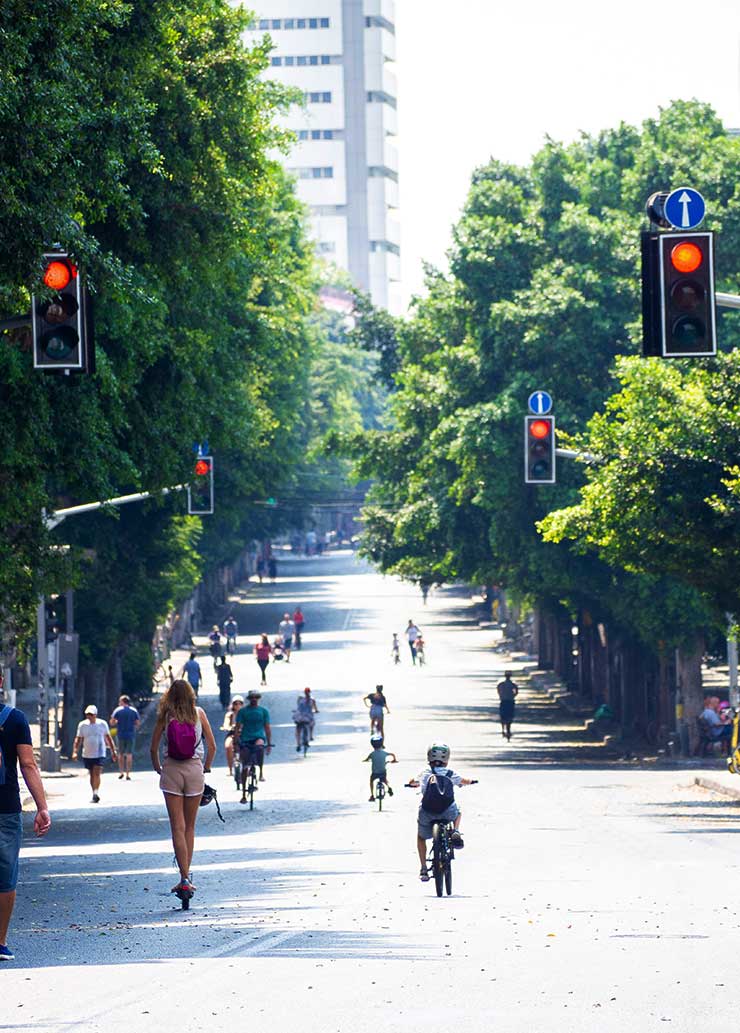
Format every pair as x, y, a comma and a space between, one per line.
95, 798
424, 875
262, 778
120, 776
457, 840
371, 799
128, 778
6, 953
298, 749
390, 791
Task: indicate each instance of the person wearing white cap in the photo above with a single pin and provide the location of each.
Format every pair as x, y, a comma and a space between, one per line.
94, 736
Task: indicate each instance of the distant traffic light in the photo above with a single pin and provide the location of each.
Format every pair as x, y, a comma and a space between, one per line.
55, 612
200, 489
539, 450
58, 321
678, 299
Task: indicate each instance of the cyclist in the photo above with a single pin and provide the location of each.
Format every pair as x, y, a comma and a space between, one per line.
286, 627
215, 644
228, 727
253, 733
377, 703
396, 649
263, 652
378, 758
231, 630
305, 708
443, 780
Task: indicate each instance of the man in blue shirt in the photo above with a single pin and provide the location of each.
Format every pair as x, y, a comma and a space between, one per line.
125, 719
191, 671
15, 749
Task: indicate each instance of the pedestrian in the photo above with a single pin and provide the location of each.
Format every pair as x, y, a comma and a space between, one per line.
189, 749
125, 719
272, 568
16, 750
260, 569
225, 677
298, 620
507, 693
191, 671
377, 703
412, 633
286, 627
263, 651
93, 735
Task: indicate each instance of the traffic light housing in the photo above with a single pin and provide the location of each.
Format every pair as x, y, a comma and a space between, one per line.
55, 613
200, 489
58, 320
678, 301
539, 450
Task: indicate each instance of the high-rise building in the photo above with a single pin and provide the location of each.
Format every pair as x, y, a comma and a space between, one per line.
340, 54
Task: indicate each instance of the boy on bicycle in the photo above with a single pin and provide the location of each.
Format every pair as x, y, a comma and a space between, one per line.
437, 792
378, 759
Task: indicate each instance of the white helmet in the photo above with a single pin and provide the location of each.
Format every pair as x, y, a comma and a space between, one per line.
438, 752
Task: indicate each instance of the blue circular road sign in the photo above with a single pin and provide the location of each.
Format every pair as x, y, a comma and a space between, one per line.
540, 403
684, 208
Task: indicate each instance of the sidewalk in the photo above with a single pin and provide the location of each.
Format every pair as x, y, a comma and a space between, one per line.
720, 782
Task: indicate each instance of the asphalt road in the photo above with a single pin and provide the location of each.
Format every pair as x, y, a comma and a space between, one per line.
589, 895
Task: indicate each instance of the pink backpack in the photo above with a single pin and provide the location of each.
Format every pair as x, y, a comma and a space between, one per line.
181, 740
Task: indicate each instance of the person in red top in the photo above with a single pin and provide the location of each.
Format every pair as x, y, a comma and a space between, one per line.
263, 651
299, 620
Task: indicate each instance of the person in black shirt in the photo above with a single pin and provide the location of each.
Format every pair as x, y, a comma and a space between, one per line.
15, 749
507, 693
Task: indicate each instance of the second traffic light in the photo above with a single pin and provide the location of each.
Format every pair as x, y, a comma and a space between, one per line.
58, 321
55, 612
539, 450
679, 316
200, 489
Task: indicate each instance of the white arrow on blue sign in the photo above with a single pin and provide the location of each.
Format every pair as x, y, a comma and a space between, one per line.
684, 208
540, 403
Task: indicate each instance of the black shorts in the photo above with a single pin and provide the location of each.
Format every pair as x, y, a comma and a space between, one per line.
93, 762
251, 753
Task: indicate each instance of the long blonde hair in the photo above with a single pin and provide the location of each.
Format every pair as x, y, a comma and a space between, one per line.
178, 701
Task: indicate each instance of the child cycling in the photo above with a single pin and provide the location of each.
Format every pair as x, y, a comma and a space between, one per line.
437, 792
378, 758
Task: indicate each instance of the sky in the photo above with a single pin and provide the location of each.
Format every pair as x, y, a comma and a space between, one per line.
483, 78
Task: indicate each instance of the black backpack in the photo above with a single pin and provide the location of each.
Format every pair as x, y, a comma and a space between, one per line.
438, 795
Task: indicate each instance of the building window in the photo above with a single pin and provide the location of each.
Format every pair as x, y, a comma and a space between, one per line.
385, 245
290, 61
294, 23
325, 59
375, 171
276, 61
319, 134
315, 97
375, 21
326, 247
301, 61
314, 172
381, 97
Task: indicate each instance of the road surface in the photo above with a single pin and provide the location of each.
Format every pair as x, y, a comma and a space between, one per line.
589, 896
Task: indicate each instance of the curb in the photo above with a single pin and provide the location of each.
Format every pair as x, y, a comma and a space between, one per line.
717, 787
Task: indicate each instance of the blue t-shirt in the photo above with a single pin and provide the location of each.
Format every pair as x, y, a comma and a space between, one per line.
192, 673
126, 718
15, 732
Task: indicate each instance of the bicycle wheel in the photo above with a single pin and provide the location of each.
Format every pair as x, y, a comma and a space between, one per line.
380, 790
438, 858
448, 876
238, 773
304, 737
251, 787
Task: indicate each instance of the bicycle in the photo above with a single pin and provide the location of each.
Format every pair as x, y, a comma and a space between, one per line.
442, 852
231, 645
380, 791
304, 736
237, 770
248, 780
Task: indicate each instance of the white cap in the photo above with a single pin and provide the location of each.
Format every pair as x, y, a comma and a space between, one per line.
92, 709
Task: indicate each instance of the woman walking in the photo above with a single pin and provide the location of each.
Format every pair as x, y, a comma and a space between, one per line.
263, 651
185, 729
507, 693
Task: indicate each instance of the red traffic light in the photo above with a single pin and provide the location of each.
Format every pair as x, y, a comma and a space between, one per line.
202, 467
59, 274
686, 257
539, 428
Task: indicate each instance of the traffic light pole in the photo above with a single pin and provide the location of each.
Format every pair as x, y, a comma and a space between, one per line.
54, 519
727, 300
